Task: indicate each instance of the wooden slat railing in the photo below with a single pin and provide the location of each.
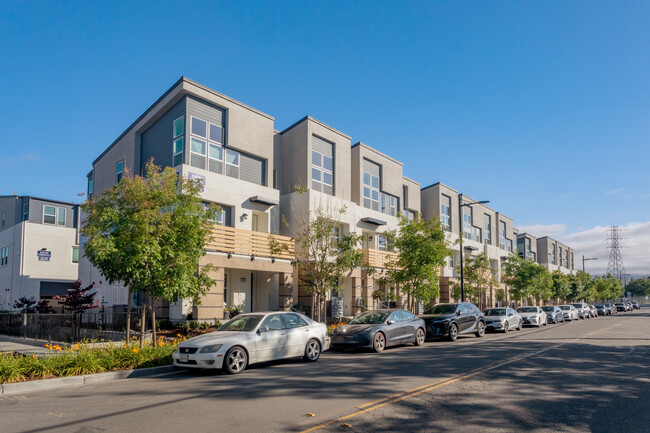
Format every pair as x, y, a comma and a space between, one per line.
247, 242
377, 258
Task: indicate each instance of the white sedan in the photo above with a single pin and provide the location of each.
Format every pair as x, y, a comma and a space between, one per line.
534, 316
254, 337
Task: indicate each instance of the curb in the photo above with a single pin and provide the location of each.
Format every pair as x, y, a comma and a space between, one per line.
65, 382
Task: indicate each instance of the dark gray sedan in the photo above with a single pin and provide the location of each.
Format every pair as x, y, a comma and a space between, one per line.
378, 329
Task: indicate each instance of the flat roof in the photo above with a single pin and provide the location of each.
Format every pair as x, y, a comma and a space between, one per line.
40, 198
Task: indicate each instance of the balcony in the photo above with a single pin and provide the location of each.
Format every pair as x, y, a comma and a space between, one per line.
247, 242
377, 258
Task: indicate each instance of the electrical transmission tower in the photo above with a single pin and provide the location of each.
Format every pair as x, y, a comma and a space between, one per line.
615, 266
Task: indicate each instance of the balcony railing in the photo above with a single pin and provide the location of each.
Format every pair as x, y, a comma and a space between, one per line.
377, 258
247, 242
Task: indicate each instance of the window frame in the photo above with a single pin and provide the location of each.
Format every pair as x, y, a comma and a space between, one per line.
75, 248
320, 168
59, 211
119, 170
445, 218
53, 215
226, 163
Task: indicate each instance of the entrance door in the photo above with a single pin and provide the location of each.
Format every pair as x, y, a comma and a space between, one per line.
255, 223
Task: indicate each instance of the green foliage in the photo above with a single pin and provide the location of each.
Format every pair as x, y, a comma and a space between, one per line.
561, 285
150, 233
217, 323
421, 250
639, 287
30, 305
194, 325
527, 279
78, 299
606, 288
580, 287
479, 277
164, 325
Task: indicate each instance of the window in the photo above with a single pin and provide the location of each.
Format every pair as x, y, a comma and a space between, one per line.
381, 242
206, 144
90, 188
49, 215
527, 247
4, 217
294, 321
199, 127
487, 229
467, 222
232, 163
61, 217
4, 256
370, 191
566, 258
572, 260
274, 322
119, 169
445, 213
275, 178
509, 241
197, 153
177, 139
25, 212
502, 235
476, 234
322, 172
552, 254
75, 254
215, 158
409, 214
388, 204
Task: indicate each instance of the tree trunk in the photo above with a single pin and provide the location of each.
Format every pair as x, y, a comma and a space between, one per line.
313, 307
128, 317
153, 318
143, 318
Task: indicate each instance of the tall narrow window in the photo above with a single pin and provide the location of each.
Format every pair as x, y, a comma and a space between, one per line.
119, 169
502, 235
61, 216
487, 229
75, 254
467, 222
370, 191
25, 212
445, 212
49, 215
90, 188
177, 139
232, 163
322, 165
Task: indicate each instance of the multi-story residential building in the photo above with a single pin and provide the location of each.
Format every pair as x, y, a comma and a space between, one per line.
554, 255
228, 146
527, 246
368, 184
483, 230
39, 248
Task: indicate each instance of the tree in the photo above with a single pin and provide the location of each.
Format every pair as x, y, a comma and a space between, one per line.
561, 285
479, 277
77, 300
579, 286
421, 250
324, 255
639, 287
527, 279
150, 233
607, 288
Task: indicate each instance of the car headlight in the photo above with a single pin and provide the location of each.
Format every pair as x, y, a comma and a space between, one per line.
211, 349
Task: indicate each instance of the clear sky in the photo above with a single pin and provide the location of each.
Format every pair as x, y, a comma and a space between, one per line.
543, 108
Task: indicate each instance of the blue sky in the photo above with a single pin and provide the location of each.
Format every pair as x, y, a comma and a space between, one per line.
540, 107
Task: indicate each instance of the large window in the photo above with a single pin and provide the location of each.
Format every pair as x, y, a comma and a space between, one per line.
322, 172
552, 254
177, 139
467, 222
370, 191
90, 188
502, 235
476, 234
49, 215
206, 145
487, 229
445, 212
119, 170
61, 217
232, 163
388, 204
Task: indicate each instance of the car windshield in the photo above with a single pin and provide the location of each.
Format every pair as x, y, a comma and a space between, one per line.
548, 308
564, 307
577, 305
370, 318
495, 312
242, 323
600, 306
618, 304
442, 309
527, 310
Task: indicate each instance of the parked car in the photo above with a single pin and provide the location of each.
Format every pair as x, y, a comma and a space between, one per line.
378, 329
593, 311
629, 306
612, 308
252, 338
502, 319
603, 310
583, 310
452, 320
620, 306
533, 316
553, 314
570, 312
636, 305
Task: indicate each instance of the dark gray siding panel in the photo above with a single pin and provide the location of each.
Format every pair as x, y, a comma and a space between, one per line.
206, 111
8, 207
156, 141
36, 212
252, 169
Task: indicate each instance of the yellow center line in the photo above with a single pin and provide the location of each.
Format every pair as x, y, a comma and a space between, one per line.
373, 405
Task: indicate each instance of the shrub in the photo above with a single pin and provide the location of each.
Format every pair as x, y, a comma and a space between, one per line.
217, 323
164, 325
204, 325
194, 325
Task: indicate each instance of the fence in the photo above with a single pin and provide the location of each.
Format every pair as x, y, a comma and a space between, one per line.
69, 327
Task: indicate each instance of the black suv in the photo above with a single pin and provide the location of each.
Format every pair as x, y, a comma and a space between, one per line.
452, 320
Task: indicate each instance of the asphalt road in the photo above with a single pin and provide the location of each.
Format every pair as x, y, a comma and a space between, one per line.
591, 375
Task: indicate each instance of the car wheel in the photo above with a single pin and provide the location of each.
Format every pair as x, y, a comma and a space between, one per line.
520, 326
312, 350
506, 327
480, 329
236, 360
453, 332
379, 342
419, 337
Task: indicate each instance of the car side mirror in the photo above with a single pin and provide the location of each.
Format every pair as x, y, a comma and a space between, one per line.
458, 312
390, 322
263, 329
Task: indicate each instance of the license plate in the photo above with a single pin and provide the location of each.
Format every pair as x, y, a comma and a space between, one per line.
183, 358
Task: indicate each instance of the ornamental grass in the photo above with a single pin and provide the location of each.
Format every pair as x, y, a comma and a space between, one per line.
82, 358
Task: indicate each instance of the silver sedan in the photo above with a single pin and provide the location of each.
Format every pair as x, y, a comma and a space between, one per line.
533, 316
254, 337
502, 319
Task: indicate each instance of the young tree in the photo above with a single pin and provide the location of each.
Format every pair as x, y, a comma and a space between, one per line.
527, 279
150, 232
561, 285
25, 305
639, 287
479, 278
324, 255
421, 250
579, 283
77, 300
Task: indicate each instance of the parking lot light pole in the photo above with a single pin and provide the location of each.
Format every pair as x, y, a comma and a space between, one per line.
460, 231
585, 259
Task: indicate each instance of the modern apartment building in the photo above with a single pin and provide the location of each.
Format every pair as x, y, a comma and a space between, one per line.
554, 255
527, 246
39, 248
368, 184
483, 230
228, 146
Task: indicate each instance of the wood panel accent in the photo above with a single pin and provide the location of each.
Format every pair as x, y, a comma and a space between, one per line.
377, 258
240, 241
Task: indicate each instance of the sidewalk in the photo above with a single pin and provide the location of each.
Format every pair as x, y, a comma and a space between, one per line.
24, 346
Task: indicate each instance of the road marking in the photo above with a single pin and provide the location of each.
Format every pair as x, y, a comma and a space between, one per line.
394, 398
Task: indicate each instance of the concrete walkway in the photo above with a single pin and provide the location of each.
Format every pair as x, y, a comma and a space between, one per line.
24, 346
